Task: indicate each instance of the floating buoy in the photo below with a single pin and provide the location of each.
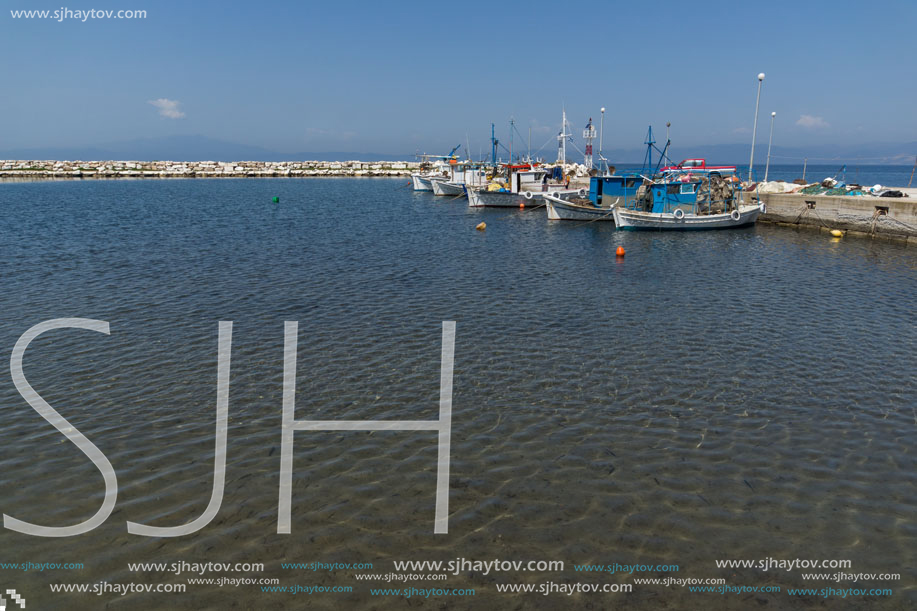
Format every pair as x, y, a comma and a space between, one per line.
620, 251
276, 200
481, 226
837, 233
522, 205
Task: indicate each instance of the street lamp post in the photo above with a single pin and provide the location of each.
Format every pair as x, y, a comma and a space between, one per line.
754, 131
602, 138
767, 166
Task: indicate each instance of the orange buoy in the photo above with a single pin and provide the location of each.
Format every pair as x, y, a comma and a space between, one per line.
481, 226
620, 251
522, 205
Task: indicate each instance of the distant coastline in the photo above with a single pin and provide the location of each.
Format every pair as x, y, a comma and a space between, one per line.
200, 169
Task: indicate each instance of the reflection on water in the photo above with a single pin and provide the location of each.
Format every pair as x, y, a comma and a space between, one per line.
738, 394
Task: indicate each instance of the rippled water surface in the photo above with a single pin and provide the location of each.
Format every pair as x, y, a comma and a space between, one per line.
723, 395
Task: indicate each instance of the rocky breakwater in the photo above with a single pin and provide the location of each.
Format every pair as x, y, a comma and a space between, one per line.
19, 169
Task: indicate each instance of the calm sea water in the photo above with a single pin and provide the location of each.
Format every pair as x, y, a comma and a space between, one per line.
727, 395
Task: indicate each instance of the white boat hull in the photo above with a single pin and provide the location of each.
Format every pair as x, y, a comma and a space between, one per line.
636, 219
563, 210
505, 199
421, 183
442, 187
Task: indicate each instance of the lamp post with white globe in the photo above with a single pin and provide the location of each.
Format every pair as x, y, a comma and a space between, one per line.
767, 166
601, 140
754, 130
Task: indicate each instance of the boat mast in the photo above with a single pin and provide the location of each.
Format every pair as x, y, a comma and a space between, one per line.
648, 159
562, 139
493, 146
512, 124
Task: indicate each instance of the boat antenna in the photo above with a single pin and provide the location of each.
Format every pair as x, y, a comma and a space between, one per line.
529, 154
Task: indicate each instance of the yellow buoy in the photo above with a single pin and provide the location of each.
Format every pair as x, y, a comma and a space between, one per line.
481, 226
837, 233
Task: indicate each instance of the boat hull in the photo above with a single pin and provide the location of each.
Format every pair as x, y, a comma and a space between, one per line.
505, 199
636, 219
562, 210
441, 187
421, 183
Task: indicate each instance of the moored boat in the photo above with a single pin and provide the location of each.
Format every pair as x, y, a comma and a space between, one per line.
458, 176
438, 169
525, 185
605, 193
682, 203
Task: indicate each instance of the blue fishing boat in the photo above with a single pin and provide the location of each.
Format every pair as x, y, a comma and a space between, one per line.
605, 193
684, 204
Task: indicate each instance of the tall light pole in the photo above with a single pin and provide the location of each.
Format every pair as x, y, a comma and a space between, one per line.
767, 166
754, 130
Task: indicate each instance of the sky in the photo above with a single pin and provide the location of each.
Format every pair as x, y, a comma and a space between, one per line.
425, 76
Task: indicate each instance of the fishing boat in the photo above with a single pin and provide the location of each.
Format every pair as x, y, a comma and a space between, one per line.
433, 168
687, 203
460, 175
605, 193
526, 185
686, 196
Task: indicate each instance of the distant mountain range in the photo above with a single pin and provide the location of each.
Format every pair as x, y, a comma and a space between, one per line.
201, 148
738, 154
189, 148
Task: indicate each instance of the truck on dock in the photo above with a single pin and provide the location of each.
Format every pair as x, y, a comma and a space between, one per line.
699, 166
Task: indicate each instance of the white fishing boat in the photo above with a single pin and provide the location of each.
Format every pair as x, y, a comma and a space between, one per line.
525, 186
681, 220
433, 168
459, 175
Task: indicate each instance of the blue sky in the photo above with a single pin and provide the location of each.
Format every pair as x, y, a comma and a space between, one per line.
398, 77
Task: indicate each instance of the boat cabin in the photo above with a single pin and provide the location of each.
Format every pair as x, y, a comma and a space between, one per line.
614, 186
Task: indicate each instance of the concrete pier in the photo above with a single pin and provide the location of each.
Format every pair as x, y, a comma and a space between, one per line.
889, 218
